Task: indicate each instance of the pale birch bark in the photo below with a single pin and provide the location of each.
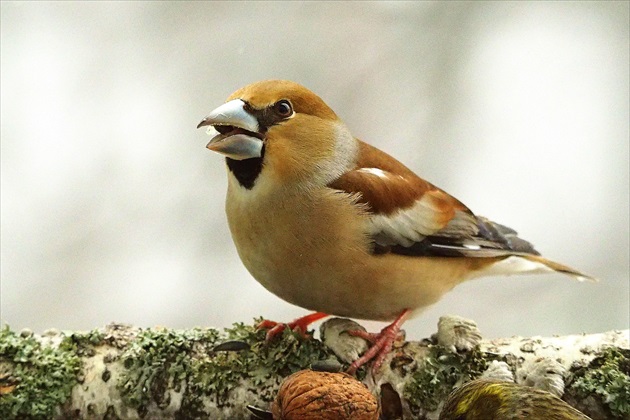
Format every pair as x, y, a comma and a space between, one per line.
126, 372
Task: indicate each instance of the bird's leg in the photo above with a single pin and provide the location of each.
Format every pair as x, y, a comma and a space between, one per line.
299, 325
367, 336
381, 344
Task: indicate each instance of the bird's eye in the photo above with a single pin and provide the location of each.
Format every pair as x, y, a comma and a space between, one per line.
283, 108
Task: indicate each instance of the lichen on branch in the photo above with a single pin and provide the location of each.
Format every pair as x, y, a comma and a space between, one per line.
126, 372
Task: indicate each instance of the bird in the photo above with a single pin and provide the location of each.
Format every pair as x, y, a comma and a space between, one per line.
329, 223
483, 399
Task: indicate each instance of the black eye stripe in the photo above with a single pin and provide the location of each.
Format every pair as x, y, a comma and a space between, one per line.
270, 115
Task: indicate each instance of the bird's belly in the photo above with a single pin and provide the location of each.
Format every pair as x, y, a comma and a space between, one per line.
327, 267
356, 284
303, 268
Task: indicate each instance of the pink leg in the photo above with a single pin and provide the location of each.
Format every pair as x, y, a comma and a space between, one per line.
381, 344
367, 336
300, 325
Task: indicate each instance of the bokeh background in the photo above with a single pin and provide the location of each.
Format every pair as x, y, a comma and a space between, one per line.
112, 208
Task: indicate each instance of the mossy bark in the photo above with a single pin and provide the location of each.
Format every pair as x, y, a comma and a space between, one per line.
125, 372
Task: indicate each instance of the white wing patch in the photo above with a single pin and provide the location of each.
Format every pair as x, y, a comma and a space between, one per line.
427, 216
405, 226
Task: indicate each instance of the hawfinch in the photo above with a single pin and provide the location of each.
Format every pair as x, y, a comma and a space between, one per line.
329, 223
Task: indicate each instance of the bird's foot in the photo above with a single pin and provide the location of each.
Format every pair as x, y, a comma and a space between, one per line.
381, 344
299, 325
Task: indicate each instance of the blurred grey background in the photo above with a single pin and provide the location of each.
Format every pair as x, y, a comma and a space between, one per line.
112, 208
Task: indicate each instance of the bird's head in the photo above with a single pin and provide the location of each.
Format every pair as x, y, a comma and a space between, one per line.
284, 130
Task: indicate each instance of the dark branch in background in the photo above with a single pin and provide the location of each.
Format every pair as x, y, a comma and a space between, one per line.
126, 372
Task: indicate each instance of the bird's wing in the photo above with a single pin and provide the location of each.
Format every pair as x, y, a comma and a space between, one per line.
410, 216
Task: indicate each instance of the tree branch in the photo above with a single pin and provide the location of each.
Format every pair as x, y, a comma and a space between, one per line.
126, 372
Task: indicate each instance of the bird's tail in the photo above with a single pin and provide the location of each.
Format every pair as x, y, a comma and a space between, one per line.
522, 263
561, 268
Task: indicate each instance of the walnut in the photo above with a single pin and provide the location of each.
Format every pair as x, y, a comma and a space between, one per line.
323, 395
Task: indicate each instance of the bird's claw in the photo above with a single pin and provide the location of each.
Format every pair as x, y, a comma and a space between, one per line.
299, 325
382, 344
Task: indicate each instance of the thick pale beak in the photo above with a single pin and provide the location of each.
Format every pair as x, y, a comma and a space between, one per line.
239, 138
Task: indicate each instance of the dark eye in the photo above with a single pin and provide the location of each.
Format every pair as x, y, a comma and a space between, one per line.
283, 108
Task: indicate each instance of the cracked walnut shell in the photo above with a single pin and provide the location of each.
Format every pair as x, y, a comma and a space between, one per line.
324, 396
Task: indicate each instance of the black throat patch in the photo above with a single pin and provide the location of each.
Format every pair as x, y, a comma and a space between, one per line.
246, 171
